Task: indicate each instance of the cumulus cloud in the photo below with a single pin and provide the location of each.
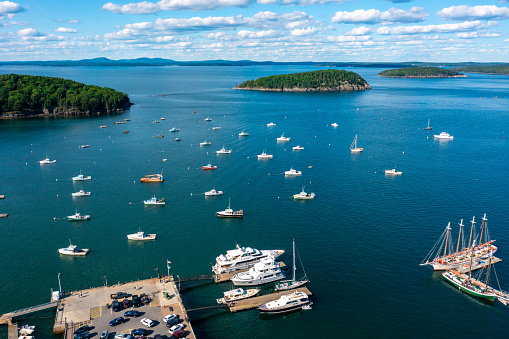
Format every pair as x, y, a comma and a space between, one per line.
266, 2
72, 21
9, 9
30, 32
146, 7
360, 31
466, 12
472, 35
374, 16
305, 31
309, 2
444, 28
66, 30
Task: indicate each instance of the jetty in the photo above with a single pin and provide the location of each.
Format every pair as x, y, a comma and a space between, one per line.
224, 277
250, 303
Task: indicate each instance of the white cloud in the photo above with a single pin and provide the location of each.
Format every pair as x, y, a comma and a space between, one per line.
360, 31
306, 31
444, 28
146, 7
471, 35
410, 42
266, 2
374, 16
465, 12
30, 32
309, 2
8, 7
66, 30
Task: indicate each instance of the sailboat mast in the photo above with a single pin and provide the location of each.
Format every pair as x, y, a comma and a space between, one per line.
459, 236
471, 230
471, 260
447, 239
488, 276
482, 228
293, 260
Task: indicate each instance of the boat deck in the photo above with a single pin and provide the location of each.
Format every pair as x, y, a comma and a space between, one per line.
250, 303
478, 265
224, 277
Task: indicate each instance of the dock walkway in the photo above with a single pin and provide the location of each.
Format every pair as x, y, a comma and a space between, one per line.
247, 304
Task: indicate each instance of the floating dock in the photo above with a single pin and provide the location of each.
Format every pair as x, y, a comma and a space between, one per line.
224, 277
250, 303
479, 264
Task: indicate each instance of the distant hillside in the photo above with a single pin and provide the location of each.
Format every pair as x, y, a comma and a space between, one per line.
28, 95
420, 72
495, 69
317, 81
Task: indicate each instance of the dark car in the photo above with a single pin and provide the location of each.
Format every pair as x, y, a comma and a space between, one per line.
126, 303
82, 335
158, 336
179, 334
82, 329
132, 314
117, 321
136, 301
119, 295
115, 305
139, 331
172, 321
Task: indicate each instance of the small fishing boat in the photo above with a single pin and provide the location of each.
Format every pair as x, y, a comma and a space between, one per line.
81, 177
216, 128
283, 138
119, 123
353, 146
4, 215
287, 303
178, 139
126, 131
243, 134
26, 330
80, 193
334, 124
292, 172
163, 118
155, 122
298, 148
78, 217
141, 236
85, 146
237, 294
224, 151
174, 129
152, 177
154, 201
303, 195
265, 156
103, 126
209, 167
47, 161
205, 143
208, 119
160, 136
73, 250
229, 213
286, 285
127, 119
443, 135
213, 192
429, 127
392, 172
271, 124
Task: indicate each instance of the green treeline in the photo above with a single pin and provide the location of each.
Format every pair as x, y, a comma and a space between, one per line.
419, 72
326, 79
27, 94
496, 69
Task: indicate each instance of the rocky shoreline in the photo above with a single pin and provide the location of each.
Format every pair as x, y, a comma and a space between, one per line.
56, 112
341, 88
425, 77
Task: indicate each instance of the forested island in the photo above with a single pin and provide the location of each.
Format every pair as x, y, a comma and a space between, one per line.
420, 72
495, 69
317, 81
28, 95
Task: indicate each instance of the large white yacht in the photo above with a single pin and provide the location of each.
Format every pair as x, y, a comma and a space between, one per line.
287, 303
443, 135
237, 294
241, 258
265, 271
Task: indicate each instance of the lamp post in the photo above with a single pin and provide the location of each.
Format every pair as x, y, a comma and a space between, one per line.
59, 285
106, 281
157, 269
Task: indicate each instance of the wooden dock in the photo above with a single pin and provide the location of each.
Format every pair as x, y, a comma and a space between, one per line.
480, 264
224, 277
250, 303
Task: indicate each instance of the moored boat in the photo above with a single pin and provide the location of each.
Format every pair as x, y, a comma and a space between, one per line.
26, 330
47, 161
152, 177
353, 146
141, 236
224, 151
287, 303
208, 119
174, 129
297, 148
271, 124
241, 258
216, 128
85, 146
334, 124
154, 201
265, 155
80, 193
103, 126
443, 135
243, 134
229, 213
213, 192
160, 136
303, 195
178, 139
429, 127
283, 138
292, 284
292, 172
73, 250
78, 217
237, 294
469, 285
393, 172
208, 167
81, 177
265, 271
205, 143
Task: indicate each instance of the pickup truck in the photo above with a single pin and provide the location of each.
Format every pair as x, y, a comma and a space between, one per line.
119, 295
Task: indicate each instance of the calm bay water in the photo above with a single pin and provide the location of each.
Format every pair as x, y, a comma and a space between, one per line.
360, 240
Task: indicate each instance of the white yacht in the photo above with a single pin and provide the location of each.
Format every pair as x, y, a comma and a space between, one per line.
393, 172
154, 201
81, 177
283, 138
78, 217
224, 151
141, 236
47, 161
271, 124
73, 250
229, 213
334, 124
213, 192
242, 258
237, 294
292, 172
265, 155
26, 330
243, 134
297, 148
265, 271
287, 303
443, 135
303, 195
81, 193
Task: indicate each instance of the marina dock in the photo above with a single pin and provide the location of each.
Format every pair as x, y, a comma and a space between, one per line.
480, 264
250, 303
224, 277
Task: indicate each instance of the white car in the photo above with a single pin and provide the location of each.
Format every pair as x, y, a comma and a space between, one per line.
147, 322
123, 336
170, 316
175, 328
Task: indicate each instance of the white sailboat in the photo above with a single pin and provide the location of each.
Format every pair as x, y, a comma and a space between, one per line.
353, 146
291, 284
429, 127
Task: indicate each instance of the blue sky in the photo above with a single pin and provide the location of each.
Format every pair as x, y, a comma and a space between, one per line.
278, 30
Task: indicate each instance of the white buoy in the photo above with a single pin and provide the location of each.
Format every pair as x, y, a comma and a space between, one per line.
56, 179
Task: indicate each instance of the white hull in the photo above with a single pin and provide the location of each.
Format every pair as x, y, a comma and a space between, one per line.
146, 237
256, 282
81, 252
82, 178
231, 266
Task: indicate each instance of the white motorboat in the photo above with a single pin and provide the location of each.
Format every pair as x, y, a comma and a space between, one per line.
265, 271
216, 128
443, 135
81, 177
174, 129
81, 193
303, 195
393, 172
287, 303
154, 201
265, 155
47, 161
163, 118
297, 148
208, 119
243, 134
237, 294
141, 236
353, 146
205, 143
334, 124
271, 124
73, 250
292, 172
85, 146
224, 151
241, 258
26, 330
229, 213
78, 217
213, 192
291, 284
283, 138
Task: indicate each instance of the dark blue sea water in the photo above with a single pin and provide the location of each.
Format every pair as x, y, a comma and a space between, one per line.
361, 240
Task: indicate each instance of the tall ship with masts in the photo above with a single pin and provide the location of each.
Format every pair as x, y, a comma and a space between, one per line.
446, 255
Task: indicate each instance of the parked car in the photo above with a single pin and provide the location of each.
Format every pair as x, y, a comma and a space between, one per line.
132, 313
136, 301
172, 321
117, 321
119, 295
147, 322
179, 333
123, 336
104, 335
158, 336
82, 329
139, 331
82, 335
170, 316
175, 328
126, 303
115, 305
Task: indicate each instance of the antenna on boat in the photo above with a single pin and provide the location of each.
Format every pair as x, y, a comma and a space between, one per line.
482, 229
459, 235
471, 230
448, 228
